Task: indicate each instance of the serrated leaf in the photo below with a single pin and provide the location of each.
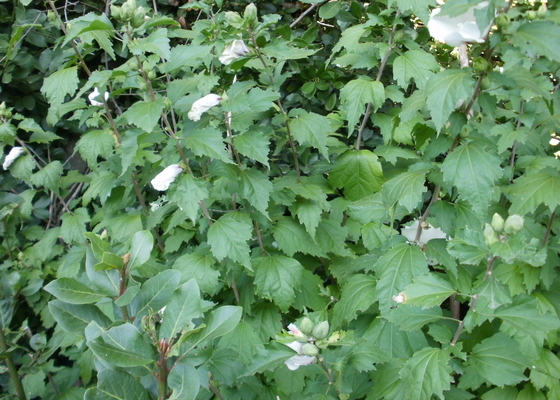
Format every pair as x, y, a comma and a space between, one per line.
375, 235
530, 191
411, 318
395, 342
309, 214
427, 374
145, 114
428, 290
187, 192
277, 278
357, 295
116, 385
74, 318
60, 84
494, 292
48, 176
101, 185
473, 171
157, 42
508, 135
421, 8
538, 38
140, 249
293, 238
416, 64
207, 142
183, 56
95, 143
331, 236
228, 237
522, 317
445, 91
73, 292
218, 323
310, 129
268, 358
74, 225
155, 293
497, 360
253, 144
396, 269
198, 266
354, 97
406, 189
281, 50
243, 341
183, 307
358, 173
255, 188
184, 381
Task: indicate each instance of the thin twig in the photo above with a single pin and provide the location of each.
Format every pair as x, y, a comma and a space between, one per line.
303, 14
18, 386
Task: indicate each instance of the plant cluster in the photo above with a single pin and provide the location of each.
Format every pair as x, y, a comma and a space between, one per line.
234, 200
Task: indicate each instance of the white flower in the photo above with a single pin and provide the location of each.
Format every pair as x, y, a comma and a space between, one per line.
399, 298
458, 30
162, 180
93, 95
233, 51
295, 362
294, 330
202, 105
428, 233
12, 155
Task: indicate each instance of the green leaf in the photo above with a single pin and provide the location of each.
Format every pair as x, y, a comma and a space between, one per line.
531, 190
219, 322
207, 142
140, 249
414, 64
74, 318
95, 143
145, 114
357, 295
354, 97
277, 278
184, 381
309, 213
281, 50
243, 341
228, 237
157, 42
497, 360
74, 225
184, 306
48, 176
187, 192
427, 374
358, 173
393, 341
411, 318
537, 38
106, 281
155, 293
523, 317
406, 189
268, 358
420, 8
310, 129
116, 385
473, 171
198, 266
396, 269
331, 236
61, 83
292, 238
92, 27
184, 56
255, 188
445, 91
72, 291
123, 346
428, 290
375, 235
254, 144
101, 185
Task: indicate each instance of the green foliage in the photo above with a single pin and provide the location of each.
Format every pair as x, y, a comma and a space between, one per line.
347, 175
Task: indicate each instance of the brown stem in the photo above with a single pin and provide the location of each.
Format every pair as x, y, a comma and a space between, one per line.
163, 370
548, 228
18, 386
259, 237
215, 390
235, 290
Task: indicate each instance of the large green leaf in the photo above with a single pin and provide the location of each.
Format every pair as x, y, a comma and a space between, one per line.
354, 97
310, 129
72, 291
140, 249
48, 176
255, 188
292, 238
74, 225
184, 381
421, 8
254, 144
530, 191
61, 83
228, 237
405, 189
218, 323
116, 385
157, 42
473, 170
74, 318
207, 142
427, 374
155, 293
539, 38
243, 341
523, 317
414, 64
358, 173
277, 278
95, 143
187, 192
397, 269
184, 306
445, 91
411, 318
145, 114
357, 295
428, 290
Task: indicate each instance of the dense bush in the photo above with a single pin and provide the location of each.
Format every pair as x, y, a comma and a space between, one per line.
213, 199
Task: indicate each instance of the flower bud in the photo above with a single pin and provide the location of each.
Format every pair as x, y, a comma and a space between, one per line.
480, 64
306, 326
542, 11
116, 12
497, 223
138, 17
513, 224
321, 330
502, 21
250, 13
234, 19
309, 349
490, 236
531, 15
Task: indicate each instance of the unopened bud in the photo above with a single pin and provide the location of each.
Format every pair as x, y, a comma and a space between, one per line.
497, 223
138, 17
513, 224
309, 349
321, 330
250, 13
234, 19
490, 236
116, 12
306, 326
542, 11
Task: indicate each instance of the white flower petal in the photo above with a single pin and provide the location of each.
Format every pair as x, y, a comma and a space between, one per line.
11, 157
162, 180
426, 234
295, 362
202, 105
457, 30
233, 51
295, 346
93, 95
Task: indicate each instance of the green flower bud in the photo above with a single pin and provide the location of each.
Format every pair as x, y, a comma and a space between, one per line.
542, 11
302, 339
116, 12
2, 106
309, 349
513, 224
251, 13
306, 326
51, 16
497, 223
531, 15
234, 19
138, 17
480, 64
502, 21
321, 330
490, 236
